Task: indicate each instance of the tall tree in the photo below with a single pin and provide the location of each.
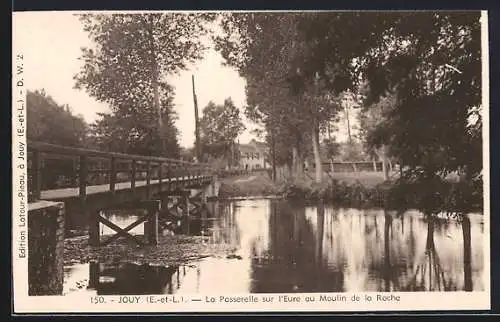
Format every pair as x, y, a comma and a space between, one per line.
376, 131
430, 65
220, 125
133, 55
430, 61
434, 71
274, 50
131, 130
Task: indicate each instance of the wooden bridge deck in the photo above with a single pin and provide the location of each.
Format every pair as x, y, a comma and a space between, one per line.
57, 194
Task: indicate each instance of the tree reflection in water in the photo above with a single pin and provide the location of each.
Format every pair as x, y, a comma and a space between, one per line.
344, 250
294, 261
285, 247
429, 274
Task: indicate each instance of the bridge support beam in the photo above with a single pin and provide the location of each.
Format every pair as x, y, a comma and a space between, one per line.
181, 208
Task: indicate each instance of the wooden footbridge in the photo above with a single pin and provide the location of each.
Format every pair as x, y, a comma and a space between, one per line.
91, 182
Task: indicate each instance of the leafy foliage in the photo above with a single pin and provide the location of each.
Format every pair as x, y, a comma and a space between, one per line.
422, 71
265, 48
53, 123
133, 55
433, 77
220, 125
134, 131
49, 122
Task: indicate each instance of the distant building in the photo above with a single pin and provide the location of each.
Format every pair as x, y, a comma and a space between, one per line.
253, 155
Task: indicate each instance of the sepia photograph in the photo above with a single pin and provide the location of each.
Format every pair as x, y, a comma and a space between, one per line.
232, 160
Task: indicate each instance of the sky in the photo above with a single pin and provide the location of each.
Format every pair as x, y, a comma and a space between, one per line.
51, 45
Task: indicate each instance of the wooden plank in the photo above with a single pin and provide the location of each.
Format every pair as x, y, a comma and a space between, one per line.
63, 193
64, 150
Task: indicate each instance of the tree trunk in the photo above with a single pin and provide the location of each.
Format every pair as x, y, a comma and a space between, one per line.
385, 168
290, 169
317, 158
273, 153
156, 87
295, 160
298, 160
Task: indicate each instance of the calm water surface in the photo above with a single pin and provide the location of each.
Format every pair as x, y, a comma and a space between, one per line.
287, 248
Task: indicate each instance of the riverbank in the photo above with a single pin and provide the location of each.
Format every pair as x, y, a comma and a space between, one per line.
171, 250
249, 185
361, 189
338, 187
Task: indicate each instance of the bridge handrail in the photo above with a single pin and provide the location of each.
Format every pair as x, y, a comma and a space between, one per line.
148, 167
59, 149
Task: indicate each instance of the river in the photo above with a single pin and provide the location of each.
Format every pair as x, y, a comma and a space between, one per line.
284, 248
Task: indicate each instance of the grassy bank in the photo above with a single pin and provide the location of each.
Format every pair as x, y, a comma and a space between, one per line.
362, 189
249, 185
348, 191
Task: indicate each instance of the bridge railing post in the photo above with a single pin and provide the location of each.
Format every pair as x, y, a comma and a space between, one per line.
112, 175
169, 175
152, 222
160, 173
94, 225
133, 175
82, 177
148, 179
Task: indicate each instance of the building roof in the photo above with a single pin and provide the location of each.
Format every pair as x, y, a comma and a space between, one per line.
260, 145
247, 148
253, 147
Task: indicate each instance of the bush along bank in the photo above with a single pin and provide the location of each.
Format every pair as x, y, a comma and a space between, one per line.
431, 197
338, 192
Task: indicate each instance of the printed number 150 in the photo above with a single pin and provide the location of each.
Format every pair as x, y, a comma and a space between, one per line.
96, 299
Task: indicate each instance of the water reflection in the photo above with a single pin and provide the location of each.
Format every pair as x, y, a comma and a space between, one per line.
129, 278
287, 248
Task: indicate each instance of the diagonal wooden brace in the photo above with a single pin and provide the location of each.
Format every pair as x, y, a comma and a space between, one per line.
122, 231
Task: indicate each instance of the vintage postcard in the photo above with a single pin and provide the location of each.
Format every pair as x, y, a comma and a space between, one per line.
250, 161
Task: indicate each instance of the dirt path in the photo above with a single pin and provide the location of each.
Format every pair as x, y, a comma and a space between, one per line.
243, 180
